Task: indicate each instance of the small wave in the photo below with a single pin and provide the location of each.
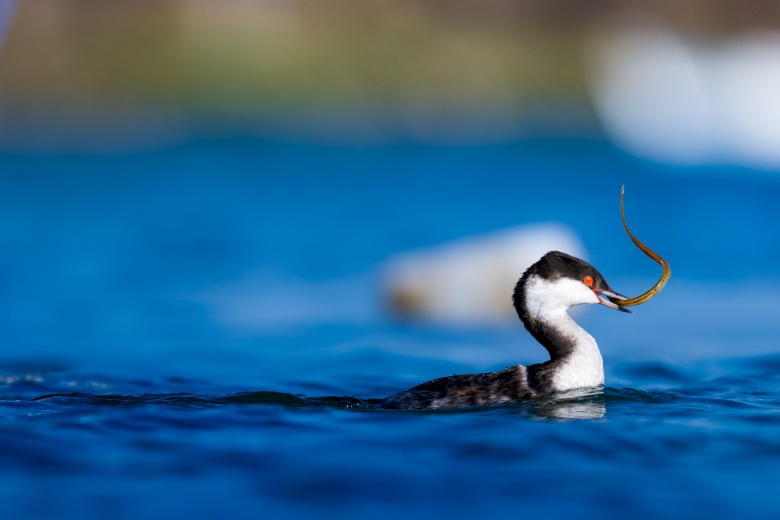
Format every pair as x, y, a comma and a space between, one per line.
640, 396
655, 373
586, 404
188, 400
581, 404
182, 400
285, 399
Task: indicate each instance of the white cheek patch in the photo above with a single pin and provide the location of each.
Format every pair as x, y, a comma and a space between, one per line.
546, 297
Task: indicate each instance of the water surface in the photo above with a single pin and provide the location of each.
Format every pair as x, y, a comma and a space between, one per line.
194, 331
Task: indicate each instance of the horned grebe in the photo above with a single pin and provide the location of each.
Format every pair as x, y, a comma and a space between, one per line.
541, 298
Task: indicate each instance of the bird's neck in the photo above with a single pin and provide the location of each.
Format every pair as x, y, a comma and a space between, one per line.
574, 354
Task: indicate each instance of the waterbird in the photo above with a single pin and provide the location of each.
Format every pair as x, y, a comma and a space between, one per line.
541, 297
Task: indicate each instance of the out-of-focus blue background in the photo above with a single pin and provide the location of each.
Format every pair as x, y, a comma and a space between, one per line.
185, 178
215, 192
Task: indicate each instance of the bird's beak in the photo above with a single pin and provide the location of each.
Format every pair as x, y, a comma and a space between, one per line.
603, 295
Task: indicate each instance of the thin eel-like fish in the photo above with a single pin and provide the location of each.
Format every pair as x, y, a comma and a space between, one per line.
649, 252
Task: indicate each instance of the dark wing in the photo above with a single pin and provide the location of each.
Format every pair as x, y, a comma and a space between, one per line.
465, 390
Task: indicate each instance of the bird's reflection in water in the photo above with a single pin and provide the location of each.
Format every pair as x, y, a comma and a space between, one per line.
576, 404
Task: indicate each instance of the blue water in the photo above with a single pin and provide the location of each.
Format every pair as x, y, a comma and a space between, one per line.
191, 330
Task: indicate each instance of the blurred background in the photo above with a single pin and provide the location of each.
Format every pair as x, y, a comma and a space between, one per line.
242, 189
203, 198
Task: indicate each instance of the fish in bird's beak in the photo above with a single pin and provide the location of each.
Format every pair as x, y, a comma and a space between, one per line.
618, 301
614, 297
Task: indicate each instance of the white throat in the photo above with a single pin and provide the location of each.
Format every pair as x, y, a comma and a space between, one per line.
583, 368
547, 301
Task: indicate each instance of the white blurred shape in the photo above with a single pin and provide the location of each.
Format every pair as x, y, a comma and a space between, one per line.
471, 280
664, 98
745, 86
651, 95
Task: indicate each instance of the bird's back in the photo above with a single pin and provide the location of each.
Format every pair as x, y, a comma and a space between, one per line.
466, 390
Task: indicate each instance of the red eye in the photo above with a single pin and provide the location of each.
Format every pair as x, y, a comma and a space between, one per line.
588, 280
